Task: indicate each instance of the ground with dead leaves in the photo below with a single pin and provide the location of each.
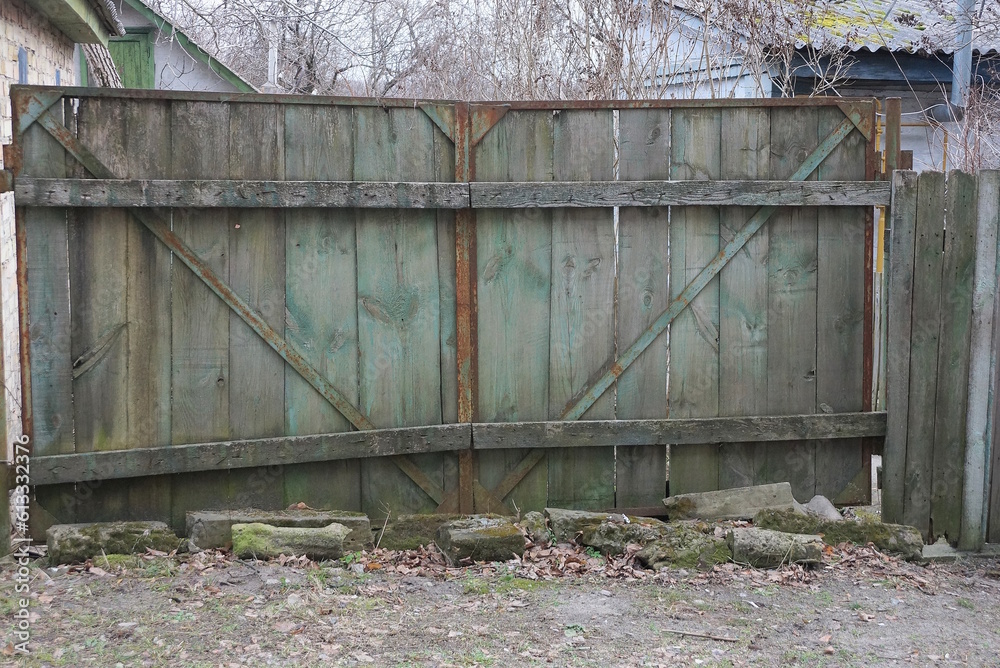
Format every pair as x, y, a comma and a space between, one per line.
559, 606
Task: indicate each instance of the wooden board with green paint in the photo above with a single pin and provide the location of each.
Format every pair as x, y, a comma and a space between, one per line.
695, 154
398, 304
743, 324
842, 474
643, 293
514, 276
321, 302
791, 315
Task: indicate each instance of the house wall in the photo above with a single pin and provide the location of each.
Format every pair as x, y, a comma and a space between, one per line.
48, 51
176, 69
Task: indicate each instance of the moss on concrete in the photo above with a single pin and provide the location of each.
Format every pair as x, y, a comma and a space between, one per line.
894, 538
69, 543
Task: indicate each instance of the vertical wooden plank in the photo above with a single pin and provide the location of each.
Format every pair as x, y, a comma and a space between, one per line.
842, 474
743, 284
953, 356
321, 301
582, 315
444, 163
643, 293
514, 265
200, 321
901, 286
149, 311
791, 315
696, 136
398, 302
924, 332
48, 313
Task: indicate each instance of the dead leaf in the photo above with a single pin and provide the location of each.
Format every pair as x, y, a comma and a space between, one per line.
826, 639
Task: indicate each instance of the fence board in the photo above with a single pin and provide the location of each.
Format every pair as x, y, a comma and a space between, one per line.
953, 357
200, 334
743, 285
901, 285
514, 264
321, 303
398, 302
49, 326
840, 322
582, 317
643, 293
791, 317
925, 328
695, 153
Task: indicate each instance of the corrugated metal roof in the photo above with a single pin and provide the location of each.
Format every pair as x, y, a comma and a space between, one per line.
896, 25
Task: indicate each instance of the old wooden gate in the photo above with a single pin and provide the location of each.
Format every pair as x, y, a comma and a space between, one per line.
406, 306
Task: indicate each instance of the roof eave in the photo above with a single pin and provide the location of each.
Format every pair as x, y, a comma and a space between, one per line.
82, 21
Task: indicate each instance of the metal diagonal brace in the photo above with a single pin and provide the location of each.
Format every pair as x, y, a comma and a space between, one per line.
704, 277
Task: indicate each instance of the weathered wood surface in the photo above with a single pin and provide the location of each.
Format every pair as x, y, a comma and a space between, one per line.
221, 456
644, 193
693, 391
582, 315
514, 267
746, 140
690, 431
241, 193
643, 293
901, 286
923, 343
952, 400
842, 473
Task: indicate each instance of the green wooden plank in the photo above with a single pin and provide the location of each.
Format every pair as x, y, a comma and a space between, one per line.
643, 274
842, 474
444, 150
952, 403
900, 285
200, 375
743, 298
398, 303
49, 325
514, 265
582, 315
925, 330
98, 256
693, 391
321, 302
791, 314
149, 311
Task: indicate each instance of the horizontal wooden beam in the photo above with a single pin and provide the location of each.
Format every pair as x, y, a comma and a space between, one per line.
480, 195
594, 433
129, 193
106, 465
679, 193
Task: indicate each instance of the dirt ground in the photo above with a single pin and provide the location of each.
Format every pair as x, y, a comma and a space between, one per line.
560, 606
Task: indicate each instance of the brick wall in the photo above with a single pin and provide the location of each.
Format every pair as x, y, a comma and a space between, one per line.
47, 50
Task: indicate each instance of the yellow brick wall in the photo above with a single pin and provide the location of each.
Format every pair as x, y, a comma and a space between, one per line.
47, 50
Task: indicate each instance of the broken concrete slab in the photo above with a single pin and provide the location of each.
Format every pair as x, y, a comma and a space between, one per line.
738, 503
764, 548
480, 539
409, 532
685, 544
264, 541
821, 507
212, 529
898, 539
566, 524
534, 525
616, 532
69, 543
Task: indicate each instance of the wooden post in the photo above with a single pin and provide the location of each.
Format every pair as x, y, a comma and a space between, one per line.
976, 489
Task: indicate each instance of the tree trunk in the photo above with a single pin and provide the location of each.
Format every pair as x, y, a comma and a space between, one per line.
102, 69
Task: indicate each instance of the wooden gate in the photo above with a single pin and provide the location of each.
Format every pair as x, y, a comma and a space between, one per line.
406, 306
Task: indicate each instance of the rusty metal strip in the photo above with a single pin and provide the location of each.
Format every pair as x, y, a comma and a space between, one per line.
484, 117
241, 308
861, 113
443, 116
29, 111
6, 181
616, 367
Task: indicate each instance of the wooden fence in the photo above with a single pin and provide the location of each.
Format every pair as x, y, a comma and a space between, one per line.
942, 374
414, 306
